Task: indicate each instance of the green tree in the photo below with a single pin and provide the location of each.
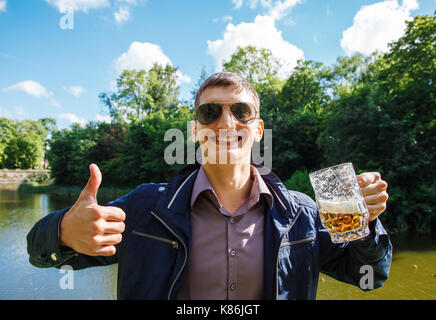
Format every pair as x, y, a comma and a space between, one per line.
144, 156
256, 65
71, 152
384, 121
408, 81
259, 67
295, 120
23, 144
7, 133
140, 92
203, 77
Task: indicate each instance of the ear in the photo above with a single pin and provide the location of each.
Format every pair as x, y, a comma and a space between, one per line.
194, 131
259, 132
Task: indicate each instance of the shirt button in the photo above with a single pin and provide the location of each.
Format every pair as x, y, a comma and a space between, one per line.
233, 286
233, 252
54, 256
232, 220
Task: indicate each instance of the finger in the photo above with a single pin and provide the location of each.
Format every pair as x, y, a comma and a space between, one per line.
375, 210
106, 251
376, 198
94, 181
367, 178
114, 227
113, 214
374, 188
110, 239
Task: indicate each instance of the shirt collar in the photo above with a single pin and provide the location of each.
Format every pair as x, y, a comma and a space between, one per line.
259, 187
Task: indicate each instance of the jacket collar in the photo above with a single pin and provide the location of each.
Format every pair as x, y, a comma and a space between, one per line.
174, 207
174, 204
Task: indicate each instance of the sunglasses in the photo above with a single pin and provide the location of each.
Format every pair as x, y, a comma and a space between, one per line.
208, 113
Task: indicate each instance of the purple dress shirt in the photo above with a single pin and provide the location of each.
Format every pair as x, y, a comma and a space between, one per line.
226, 260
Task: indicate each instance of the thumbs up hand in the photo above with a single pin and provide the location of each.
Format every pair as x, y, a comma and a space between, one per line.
89, 228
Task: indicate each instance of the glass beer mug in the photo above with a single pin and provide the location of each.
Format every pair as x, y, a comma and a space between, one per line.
341, 205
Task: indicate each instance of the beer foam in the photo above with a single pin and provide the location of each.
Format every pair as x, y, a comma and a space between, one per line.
329, 206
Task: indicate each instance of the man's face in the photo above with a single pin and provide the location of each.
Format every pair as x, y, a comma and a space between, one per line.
227, 141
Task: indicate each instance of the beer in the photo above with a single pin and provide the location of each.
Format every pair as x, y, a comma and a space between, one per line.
341, 205
342, 222
342, 219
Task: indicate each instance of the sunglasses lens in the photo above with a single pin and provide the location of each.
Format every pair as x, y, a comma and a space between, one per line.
244, 112
208, 113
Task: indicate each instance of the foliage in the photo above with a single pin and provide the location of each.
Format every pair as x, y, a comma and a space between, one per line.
300, 181
376, 111
127, 155
140, 92
22, 143
295, 120
385, 121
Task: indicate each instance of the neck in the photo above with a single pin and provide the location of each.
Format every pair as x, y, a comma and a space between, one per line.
231, 183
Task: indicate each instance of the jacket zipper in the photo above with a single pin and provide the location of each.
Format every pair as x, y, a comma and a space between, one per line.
174, 244
290, 243
184, 248
277, 259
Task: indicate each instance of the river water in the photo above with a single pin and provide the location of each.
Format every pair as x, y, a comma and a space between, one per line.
412, 275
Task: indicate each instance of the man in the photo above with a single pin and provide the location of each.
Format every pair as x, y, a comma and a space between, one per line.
216, 231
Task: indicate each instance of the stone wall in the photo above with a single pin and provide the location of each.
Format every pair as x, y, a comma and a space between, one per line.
19, 176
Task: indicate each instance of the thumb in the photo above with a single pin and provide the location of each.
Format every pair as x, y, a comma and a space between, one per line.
91, 189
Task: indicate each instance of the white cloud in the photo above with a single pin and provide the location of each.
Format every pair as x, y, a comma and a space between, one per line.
329, 11
35, 89
5, 113
2, 5
19, 111
374, 26
142, 55
76, 91
79, 5
261, 33
122, 15
237, 3
227, 18
281, 8
276, 9
71, 117
30, 87
103, 118
183, 77
223, 19
131, 2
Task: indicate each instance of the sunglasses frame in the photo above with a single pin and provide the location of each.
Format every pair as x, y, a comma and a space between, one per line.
222, 105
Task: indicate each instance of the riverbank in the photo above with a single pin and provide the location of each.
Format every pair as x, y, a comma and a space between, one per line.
23, 175
105, 193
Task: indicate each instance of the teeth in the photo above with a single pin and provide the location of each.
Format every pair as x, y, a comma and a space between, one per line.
227, 139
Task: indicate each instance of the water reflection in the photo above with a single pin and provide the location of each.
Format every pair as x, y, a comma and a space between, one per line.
412, 276
18, 278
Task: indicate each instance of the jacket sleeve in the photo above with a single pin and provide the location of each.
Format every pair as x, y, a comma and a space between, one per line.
364, 263
45, 251
43, 239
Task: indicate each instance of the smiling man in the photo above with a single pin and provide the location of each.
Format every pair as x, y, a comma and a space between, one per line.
219, 230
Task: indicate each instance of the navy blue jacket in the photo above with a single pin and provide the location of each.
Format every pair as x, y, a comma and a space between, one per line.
153, 254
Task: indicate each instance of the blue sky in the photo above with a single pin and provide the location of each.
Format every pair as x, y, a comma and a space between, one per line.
51, 66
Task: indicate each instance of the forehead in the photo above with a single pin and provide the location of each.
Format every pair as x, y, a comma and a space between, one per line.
225, 95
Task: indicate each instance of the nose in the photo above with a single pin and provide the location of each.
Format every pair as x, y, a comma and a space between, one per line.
226, 119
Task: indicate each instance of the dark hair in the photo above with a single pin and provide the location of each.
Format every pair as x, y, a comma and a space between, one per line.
227, 79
